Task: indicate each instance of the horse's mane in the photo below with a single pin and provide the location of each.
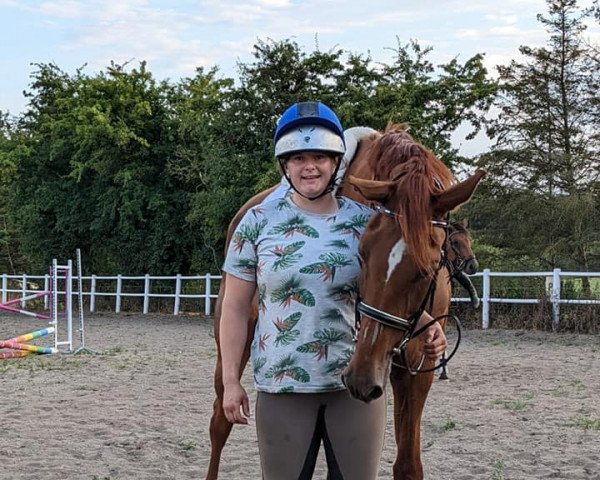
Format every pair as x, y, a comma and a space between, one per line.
420, 175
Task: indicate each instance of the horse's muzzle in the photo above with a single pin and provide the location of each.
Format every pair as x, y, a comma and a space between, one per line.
361, 390
471, 266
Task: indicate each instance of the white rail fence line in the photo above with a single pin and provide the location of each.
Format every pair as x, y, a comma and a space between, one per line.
552, 279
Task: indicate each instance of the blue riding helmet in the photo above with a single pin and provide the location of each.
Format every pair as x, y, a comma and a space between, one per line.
309, 126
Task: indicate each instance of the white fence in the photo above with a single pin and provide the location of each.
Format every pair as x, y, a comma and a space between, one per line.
25, 284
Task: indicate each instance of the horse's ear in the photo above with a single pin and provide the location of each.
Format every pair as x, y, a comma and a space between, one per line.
456, 195
465, 223
372, 189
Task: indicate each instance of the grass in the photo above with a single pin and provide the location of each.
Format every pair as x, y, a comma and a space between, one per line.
187, 445
588, 423
515, 405
498, 472
449, 425
114, 350
573, 386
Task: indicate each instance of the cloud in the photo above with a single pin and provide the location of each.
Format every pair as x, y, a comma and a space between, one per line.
61, 9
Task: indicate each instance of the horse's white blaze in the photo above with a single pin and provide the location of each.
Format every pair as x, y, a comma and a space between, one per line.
395, 257
376, 331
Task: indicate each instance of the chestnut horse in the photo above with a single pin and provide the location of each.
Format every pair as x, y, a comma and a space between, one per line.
403, 251
360, 142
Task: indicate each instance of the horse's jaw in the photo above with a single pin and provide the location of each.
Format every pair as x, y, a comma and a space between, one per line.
367, 373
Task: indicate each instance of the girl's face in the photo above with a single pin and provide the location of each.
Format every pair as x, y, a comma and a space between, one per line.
310, 172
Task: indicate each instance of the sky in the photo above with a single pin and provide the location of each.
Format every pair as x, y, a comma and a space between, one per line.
176, 37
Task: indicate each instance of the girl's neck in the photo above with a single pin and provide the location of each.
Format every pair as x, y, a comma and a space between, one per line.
326, 204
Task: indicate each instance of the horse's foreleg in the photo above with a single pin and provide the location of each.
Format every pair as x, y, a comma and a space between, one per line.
410, 393
220, 427
444, 372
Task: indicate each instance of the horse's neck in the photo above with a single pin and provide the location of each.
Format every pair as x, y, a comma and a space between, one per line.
358, 167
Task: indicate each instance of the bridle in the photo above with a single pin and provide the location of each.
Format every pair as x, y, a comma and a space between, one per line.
408, 325
458, 266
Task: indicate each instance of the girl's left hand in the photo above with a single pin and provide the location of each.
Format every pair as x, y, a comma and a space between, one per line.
435, 343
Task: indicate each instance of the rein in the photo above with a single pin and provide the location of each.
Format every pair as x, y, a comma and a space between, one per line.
408, 326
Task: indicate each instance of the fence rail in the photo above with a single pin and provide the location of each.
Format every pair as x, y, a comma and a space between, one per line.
17, 286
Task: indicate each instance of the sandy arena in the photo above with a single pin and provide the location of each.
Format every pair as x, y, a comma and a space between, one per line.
520, 405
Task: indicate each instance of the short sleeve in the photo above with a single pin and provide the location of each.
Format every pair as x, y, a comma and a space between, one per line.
241, 259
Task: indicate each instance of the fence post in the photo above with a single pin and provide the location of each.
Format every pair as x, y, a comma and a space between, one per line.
485, 308
146, 293
555, 299
207, 296
118, 300
46, 289
177, 293
4, 287
23, 289
93, 294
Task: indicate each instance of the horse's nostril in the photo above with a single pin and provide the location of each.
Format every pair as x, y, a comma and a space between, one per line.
375, 393
471, 267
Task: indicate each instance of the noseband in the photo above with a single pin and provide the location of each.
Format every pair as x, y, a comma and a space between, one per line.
459, 264
408, 326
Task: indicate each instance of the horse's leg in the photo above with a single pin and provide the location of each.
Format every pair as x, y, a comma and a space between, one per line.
220, 427
444, 372
410, 393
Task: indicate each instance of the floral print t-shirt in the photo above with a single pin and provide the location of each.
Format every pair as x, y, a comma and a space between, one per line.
306, 269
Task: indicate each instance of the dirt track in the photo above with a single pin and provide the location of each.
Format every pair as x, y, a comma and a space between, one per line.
519, 405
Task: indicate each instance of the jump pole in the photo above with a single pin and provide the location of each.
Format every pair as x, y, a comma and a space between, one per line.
82, 348
66, 271
18, 353
7, 306
17, 343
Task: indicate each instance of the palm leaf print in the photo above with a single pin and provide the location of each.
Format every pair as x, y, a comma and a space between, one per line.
333, 315
337, 366
288, 389
286, 367
328, 266
351, 227
292, 290
287, 255
295, 224
341, 244
262, 341
285, 327
246, 265
330, 335
283, 203
248, 233
320, 347
344, 293
262, 295
258, 363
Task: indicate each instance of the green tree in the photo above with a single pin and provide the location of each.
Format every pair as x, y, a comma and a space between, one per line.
544, 135
93, 173
538, 201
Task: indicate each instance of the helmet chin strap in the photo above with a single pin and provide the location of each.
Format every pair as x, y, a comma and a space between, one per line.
328, 189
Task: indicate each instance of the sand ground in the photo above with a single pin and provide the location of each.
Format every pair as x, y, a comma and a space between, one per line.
520, 405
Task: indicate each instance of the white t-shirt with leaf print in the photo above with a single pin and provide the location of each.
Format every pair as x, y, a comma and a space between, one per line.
306, 269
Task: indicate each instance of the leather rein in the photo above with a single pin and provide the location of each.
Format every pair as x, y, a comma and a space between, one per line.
408, 325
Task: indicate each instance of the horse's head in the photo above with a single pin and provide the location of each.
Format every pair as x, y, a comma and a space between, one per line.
400, 254
460, 252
